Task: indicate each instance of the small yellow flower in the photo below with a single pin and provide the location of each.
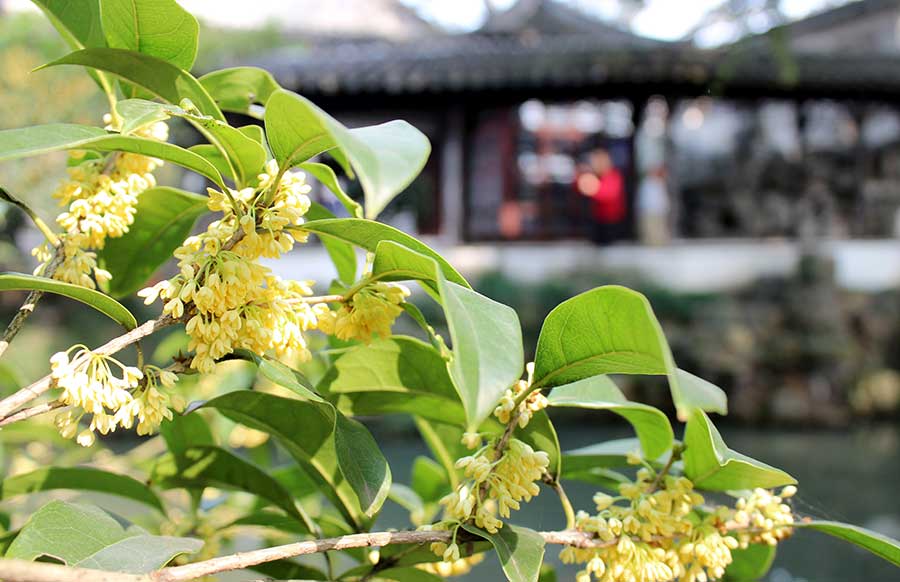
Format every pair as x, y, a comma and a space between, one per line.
101, 199
533, 403
371, 311
89, 386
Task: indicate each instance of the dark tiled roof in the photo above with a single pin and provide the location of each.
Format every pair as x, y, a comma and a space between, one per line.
476, 62
540, 44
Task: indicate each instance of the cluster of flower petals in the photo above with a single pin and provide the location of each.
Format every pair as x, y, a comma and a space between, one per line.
659, 530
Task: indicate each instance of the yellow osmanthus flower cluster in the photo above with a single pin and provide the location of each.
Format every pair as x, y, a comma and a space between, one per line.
534, 402
495, 486
101, 197
90, 386
658, 531
230, 299
370, 311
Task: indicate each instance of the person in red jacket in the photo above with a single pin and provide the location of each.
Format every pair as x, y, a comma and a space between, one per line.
603, 183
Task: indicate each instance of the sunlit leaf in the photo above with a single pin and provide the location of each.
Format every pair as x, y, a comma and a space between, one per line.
879, 544
487, 349
367, 234
394, 375
711, 465
600, 393
386, 157
88, 537
102, 303
160, 28
80, 479
612, 330
235, 89
43, 139
159, 77
750, 563
324, 174
520, 550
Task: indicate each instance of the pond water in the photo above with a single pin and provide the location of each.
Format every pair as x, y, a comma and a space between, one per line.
851, 476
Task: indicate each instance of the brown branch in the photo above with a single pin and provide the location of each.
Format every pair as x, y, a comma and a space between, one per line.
22, 571
31, 301
25, 571
11, 403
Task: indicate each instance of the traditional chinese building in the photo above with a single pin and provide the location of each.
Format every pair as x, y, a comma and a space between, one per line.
784, 136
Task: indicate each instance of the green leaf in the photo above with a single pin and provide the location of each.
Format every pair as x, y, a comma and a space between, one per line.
541, 436
395, 262
214, 156
198, 467
367, 234
165, 217
429, 479
750, 563
285, 376
159, 28
395, 375
82, 479
600, 393
611, 453
306, 430
79, 25
159, 77
362, 464
42, 139
235, 89
244, 156
385, 157
102, 303
692, 392
359, 457
609, 330
86, 536
341, 252
139, 554
186, 430
520, 550
139, 113
711, 465
548, 574
324, 174
487, 349
879, 544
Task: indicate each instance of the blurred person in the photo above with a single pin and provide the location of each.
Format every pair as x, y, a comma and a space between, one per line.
603, 183
653, 208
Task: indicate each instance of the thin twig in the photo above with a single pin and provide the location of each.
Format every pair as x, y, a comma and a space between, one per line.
13, 402
674, 456
27, 413
31, 301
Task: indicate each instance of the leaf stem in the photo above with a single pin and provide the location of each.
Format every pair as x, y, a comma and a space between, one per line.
568, 510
